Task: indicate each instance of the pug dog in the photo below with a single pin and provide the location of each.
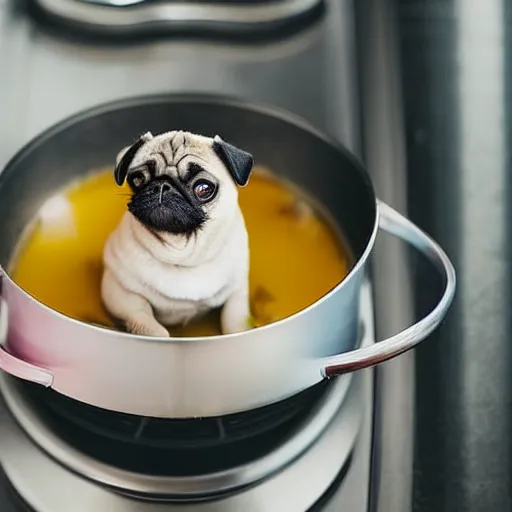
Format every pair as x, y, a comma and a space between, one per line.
181, 249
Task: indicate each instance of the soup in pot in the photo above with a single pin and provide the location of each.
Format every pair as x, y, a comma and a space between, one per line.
296, 254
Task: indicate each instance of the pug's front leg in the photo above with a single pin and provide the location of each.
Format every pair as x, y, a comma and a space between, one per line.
146, 325
130, 308
235, 315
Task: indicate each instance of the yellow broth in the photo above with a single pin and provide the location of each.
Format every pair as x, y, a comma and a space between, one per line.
296, 256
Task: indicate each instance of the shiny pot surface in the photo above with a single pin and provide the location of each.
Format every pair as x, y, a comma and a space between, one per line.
193, 377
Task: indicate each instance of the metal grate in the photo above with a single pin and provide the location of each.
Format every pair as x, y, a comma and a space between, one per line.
172, 447
177, 433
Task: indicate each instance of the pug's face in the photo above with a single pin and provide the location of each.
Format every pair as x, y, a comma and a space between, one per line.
181, 181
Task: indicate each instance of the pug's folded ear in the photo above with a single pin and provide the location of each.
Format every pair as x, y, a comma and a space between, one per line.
126, 155
238, 162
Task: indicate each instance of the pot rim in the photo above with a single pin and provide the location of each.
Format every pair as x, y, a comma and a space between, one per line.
212, 99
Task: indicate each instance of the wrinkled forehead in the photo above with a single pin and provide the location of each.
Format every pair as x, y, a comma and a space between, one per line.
174, 151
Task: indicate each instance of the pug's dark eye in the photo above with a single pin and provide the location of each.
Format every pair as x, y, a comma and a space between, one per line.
137, 179
204, 190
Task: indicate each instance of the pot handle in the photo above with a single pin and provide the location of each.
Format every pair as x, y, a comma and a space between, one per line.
396, 224
17, 367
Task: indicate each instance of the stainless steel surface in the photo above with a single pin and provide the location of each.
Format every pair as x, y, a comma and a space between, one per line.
192, 487
35, 94
392, 276
37, 476
141, 15
456, 70
215, 375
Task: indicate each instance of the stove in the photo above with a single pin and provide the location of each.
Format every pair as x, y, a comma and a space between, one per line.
347, 444
49, 457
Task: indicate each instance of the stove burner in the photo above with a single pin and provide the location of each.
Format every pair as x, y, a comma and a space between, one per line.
174, 433
51, 474
172, 447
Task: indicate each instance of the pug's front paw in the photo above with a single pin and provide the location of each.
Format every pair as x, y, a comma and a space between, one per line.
233, 326
147, 327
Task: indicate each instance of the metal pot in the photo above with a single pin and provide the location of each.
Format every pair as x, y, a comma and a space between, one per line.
210, 376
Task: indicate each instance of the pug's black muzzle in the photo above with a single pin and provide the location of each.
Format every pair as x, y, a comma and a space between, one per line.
166, 207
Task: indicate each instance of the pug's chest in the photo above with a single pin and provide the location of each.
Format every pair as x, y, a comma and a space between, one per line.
171, 287
183, 294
